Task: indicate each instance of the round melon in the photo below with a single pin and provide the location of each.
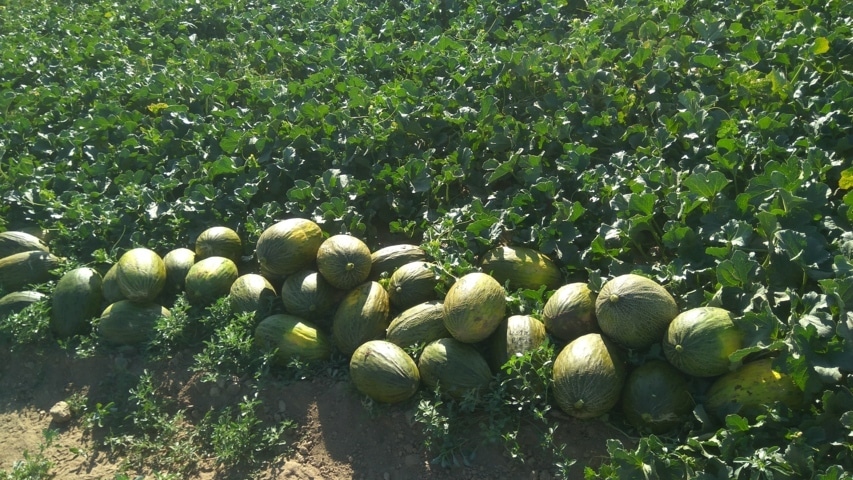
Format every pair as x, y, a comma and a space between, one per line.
455, 368
634, 310
26, 268
307, 294
210, 279
521, 267
75, 301
109, 287
516, 335
699, 341
292, 338
251, 293
656, 398
14, 302
178, 263
288, 246
751, 389
128, 323
361, 316
570, 312
421, 324
412, 284
588, 376
344, 261
141, 275
388, 259
384, 372
474, 307
12, 242
219, 242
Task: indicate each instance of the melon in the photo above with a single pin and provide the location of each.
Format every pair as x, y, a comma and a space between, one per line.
412, 284
178, 263
129, 323
307, 294
361, 316
515, 336
388, 259
344, 261
26, 268
457, 369
384, 372
751, 389
288, 246
656, 398
421, 324
291, 337
210, 279
219, 242
141, 275
521, 267
570, 312
588, 376
634, 310
251, 293
474, 307
75, 301
12, 242
14, 302
699, 341
109, 287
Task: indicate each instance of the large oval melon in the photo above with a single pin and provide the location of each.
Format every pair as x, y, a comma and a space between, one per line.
516, 335
210, 279
14, 302
12, 242
421, 324
456, 368
699, 341
219, 242
474, 307
21, 269
634, 310
412, 284
656, 398
361, 316
588, 376
128, 323
384, 372
75, 301
292, 338
307, 294
178, 263
251, 293
570, 312
388, 259
288, 246
141, 275
521, 267
751, 389
344, 261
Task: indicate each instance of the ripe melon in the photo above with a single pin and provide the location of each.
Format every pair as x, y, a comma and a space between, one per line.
14, 302
422, 324
128, 323
634, 310
384, 372
570, 312
76, 300
288, 246
219, 242
388, 259
516, 335
178, 263
699, 341
109, 288
12, 242
412, 284
474, 307
344, 261
141, 275
251, 293
21, 269
454, 367
210, 279
521, 267
361, 316
307, 294
291, 337
751, 389
588, 376
656, 398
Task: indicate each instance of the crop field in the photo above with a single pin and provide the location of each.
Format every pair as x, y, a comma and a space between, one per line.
405, 239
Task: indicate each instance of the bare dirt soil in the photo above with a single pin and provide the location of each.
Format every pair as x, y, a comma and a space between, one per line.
337, 436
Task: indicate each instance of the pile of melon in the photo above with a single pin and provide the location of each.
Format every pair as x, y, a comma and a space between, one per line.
331, 293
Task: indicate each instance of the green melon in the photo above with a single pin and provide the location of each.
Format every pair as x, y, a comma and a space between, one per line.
751, 389
412, 284
291, 337
455, 368
14, 302
474, 307
344, 261
288, 246
384, 372
516, 335
210, 279
570, 312
219, 242
12, 242
75, 301
421, 324
699, 341
109, 287
656, 398
178, 263
588, 376
129, 323
307, 294
388, 259
521, 267
141, 275
635, 311
251, 293
361, 316
26, 268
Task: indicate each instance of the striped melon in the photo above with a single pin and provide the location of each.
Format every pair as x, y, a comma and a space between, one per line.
288, 246
412, 284
141, 275
26, 268
384, 372
521, 267
588, 376
75, 301
210, 279
474, 307
344, 261
361, 316
291, 337
699, 341
422, 324
634, 310
454, 367
570, 312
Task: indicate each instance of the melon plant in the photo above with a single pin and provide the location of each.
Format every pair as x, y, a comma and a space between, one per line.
455, 368
251, 293
412, 284
141, 275
291, 337
361, 316
178, 263
521, 267
75, 301
344, 261
209, 279
288, 246
751, 389
219, 242
384, 372
420, 324
588, 376
12, 242
699, 341
516, 335
634, 310
388, 259
474, 307
570, 312
26, 268
128, 323
307, 294
656, 398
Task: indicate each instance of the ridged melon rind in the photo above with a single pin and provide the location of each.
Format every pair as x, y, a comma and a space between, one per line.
423, 323
634, 310
384, 372
307, 294
521, 267
474, 307
699, 341
219, 241
388, 259
344, 261
412, 284
361, 316
570, 312
251, 293
588, 376
178, 263
456, 368
288, 246
210, 279
141, 275
292, 337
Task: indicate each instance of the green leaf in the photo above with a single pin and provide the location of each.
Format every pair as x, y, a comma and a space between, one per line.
230, 142
738, 271
706, 186
820, 46
846, 180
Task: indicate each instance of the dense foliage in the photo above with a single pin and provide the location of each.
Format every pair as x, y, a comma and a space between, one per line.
704, 143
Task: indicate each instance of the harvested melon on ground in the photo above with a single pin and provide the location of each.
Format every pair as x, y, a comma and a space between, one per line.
251, 293
210, 279
291, 338
656, 398
423, 323
634, 310
588, 376
699, 341
288, 246
75, 301
141, 275
412, 284
344, 261
178, 263
474, 307
521, 267
361, 316
388, 259
454, 367
384, 372
570, 312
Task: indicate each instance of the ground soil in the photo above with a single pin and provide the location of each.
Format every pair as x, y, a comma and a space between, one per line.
337, 436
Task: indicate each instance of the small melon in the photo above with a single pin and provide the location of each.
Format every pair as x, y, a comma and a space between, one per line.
474, 307
141, 275
219, 242
699, 341
288, 246
588, 376
178, 263
634, 310
384, 372
570, 312
521, 267
361, 316
210, 279
454, 367
344, 261
292, 338
251, 293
